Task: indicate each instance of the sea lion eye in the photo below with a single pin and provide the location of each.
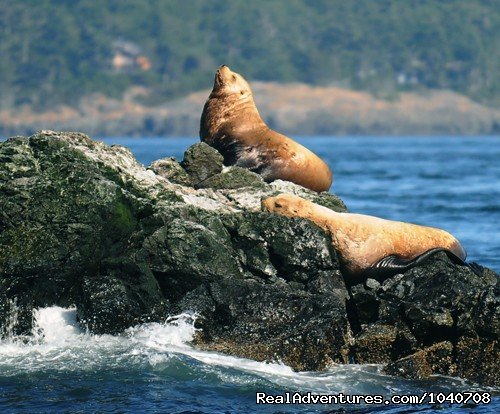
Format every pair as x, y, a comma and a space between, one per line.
242, 92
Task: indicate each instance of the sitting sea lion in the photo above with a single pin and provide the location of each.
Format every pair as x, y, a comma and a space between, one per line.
231, 123
370, 246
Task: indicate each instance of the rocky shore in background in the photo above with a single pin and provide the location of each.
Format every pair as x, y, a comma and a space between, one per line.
84, 224
292, 109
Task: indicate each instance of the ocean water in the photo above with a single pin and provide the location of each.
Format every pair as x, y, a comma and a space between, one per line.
452, 183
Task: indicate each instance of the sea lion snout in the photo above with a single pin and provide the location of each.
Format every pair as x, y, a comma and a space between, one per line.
224, 72
267, 204
223, 76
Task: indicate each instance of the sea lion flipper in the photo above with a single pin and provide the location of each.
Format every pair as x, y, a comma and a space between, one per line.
393, 264
249, 158
389, 266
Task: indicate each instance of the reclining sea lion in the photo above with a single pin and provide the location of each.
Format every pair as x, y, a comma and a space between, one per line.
370, 246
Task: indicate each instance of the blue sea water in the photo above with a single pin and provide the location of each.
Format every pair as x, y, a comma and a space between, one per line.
449, 182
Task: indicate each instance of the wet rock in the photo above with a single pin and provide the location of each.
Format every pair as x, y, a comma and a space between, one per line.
60, 214
188, 249
435, 359
83, 223
374, 344
435, 303
364, 305
477, 359
380, 343
372, 284
67, 208
290, 305
16, 316
260, 321
124, 294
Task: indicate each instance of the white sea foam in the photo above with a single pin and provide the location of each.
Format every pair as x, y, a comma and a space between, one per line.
59, 344
56, 326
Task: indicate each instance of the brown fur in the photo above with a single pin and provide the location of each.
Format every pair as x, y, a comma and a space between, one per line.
362, 240
231, 123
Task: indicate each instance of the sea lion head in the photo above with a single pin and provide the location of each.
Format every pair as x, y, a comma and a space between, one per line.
227, 82
287, 205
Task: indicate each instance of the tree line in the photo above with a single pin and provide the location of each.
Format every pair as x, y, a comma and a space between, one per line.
55, 51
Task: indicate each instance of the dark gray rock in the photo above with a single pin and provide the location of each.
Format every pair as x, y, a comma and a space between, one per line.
233, 177
190, 248
372, 284
477, 358
261, 321
436, 302
60, 214
83, 223
123, 294
16, 316
291, 279
170, 169
376, 343
435, 359
201, 162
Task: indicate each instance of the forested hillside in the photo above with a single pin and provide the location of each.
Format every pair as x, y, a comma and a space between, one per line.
55, 51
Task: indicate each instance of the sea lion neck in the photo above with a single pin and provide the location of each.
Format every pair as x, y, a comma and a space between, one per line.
222, 93
223, 110
228, 106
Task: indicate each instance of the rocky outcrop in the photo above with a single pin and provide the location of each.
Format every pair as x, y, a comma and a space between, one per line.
85, 224
434, 318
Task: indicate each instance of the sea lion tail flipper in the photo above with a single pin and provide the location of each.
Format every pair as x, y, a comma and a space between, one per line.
389, 266
393, 264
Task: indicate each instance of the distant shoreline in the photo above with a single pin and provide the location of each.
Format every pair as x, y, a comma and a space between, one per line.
294, 109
